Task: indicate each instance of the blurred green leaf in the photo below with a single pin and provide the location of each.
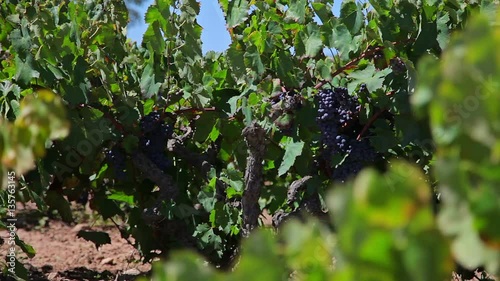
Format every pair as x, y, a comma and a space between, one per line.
386, 224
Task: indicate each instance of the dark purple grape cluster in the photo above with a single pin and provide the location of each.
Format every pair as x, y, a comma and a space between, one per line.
358, 153
378, 54
398, 65
284, 95
336, 105
281, 97
155, 134
290, 100
116, 157
337, 109
149, 122
346, 170
361, 150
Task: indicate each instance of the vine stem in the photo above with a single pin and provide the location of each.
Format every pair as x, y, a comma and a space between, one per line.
106, 114
120, 230
373, 118
366, 53
193, 109
370, 123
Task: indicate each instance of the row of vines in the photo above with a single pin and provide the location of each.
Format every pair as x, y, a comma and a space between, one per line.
371, 137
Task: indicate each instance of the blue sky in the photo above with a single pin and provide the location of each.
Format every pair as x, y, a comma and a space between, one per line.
214, 36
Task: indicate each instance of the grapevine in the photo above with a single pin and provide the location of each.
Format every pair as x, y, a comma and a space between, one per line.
192, 148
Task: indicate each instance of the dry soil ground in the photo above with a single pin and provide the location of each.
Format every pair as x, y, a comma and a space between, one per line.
61, 255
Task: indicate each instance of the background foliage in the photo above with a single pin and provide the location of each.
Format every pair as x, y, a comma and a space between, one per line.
245, 136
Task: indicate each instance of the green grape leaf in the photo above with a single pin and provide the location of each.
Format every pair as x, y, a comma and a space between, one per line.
21, 39
14, 104
207, 200
258, 39
340, 39
283, 64
148, 106
324, 11
373, 78
205, 126
192, 34
26, 248
154, 38
297, 11
222, 98
443, 36
211, 238
292, 150
309, 41
324, 69
234, 178
284, 121
352, 16
25, 70
56, 201
253, 60
236, 11
20, 270
122, 197
106, 207
149, 86
237, 63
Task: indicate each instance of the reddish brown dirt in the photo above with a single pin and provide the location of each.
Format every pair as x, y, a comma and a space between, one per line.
61, 255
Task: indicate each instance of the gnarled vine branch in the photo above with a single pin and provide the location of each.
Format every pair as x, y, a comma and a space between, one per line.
255, 139
311, 204
168, 188
294, 188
